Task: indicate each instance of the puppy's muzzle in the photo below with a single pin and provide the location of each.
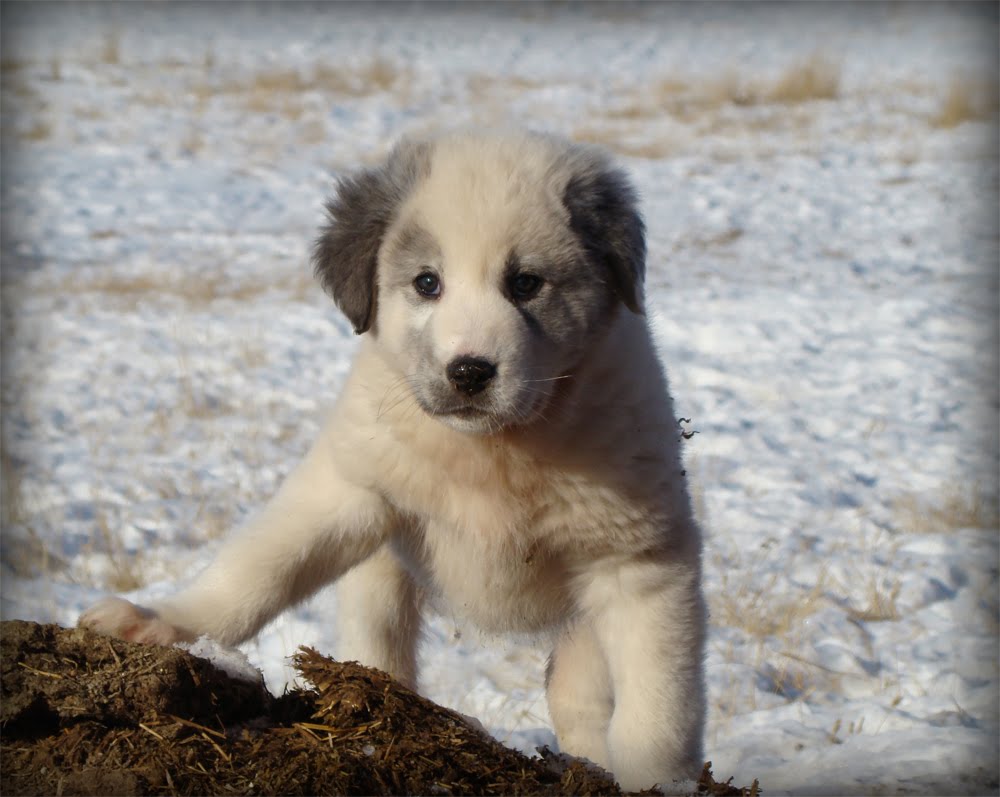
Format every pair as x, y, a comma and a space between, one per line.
470, 375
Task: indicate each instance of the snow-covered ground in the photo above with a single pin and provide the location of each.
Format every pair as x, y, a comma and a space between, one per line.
820, 186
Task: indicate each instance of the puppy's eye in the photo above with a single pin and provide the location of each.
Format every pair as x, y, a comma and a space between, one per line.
428, 285
524, 286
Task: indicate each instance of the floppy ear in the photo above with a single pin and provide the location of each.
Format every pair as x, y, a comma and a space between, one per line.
604, 216
346, 253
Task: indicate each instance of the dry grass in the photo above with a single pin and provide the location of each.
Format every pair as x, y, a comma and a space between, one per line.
837, 733
312, 132
280, 90
288, 106
189, 403
879, 602
709, 241
965, 100
758, 608
28, 555
91, 113
710, 106
375, 76
780, 670
483, 84
193, 141
253, 355
796, 678
951, 508
39, 131
114, 562
816, 78
25, 552
619, 140
126, 572
773, 615
195, 403
17, 86
111, 49
131, 289
664, 117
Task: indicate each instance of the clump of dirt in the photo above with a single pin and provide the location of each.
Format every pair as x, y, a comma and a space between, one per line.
87, 714
54, 677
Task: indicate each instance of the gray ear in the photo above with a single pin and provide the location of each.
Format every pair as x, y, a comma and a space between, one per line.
604, 216
346, 252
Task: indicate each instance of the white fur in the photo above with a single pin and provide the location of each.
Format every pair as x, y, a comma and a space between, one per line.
564, 508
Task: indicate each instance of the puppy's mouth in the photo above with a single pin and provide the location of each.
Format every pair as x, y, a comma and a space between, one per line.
470, 417
484, 413
468, 412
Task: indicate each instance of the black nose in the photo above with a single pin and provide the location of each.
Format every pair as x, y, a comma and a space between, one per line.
470, 375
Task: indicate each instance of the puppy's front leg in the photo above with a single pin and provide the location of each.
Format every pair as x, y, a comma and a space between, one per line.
650, 619
316, 527
378, 617
578, 690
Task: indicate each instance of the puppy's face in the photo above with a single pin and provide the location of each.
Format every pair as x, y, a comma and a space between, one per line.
484, 299
498, 260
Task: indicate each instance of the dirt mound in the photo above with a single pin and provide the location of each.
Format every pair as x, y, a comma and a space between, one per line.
86, 714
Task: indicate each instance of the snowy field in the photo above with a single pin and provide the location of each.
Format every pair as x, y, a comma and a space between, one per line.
820, 186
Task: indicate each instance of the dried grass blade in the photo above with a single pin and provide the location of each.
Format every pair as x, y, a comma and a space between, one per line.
196, 726
39, 672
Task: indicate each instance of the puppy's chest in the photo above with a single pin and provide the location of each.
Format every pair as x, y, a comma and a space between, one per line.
498, 584
493, 548
488, 501
505, 521
518, 507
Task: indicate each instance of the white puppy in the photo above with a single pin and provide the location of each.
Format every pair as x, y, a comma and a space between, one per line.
505, 443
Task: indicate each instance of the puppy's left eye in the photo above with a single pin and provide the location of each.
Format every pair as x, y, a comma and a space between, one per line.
428, 284
524, 286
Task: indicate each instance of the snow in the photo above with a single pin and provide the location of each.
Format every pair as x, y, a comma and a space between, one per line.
823, 285
231, 661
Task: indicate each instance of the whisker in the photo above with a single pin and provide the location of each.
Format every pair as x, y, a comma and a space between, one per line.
397, 402
388, 402
549, 379
395, 394
539, 415
533, 390
393, 405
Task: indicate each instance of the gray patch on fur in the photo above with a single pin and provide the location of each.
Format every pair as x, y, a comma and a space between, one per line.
346, 253
603, 215
575, 301
408, 253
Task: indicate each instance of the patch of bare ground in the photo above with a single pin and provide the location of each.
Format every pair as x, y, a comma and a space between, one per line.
87, 714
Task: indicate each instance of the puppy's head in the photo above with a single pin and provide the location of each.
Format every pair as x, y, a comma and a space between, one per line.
485, 265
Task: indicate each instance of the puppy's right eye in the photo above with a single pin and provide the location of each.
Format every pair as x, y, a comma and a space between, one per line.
428, 285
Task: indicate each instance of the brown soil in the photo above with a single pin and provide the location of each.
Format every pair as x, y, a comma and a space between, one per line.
86, 714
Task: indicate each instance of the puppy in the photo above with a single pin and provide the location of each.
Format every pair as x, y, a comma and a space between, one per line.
505, 443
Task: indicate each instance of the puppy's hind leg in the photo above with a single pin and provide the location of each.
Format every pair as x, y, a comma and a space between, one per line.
378, 616
578, 689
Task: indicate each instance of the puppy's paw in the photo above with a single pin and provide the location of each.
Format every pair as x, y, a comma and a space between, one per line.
119, 618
